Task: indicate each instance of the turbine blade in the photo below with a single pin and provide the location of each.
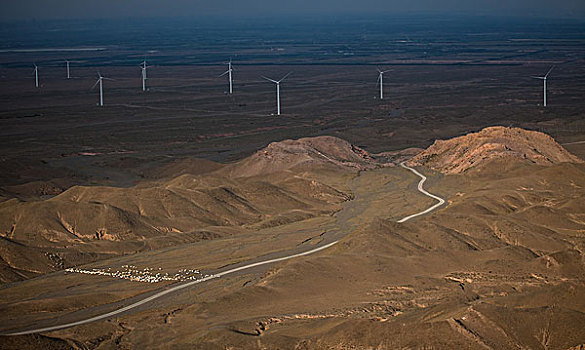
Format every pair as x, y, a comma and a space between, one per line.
274, 81
551, 68
286, 76
94, 85
541, 78
224, 73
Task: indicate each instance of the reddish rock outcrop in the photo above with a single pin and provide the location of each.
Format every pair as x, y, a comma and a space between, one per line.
313, 151
459, 154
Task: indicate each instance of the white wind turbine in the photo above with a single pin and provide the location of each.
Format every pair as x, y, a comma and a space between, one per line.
101, 83
143, 66
381, 81
36, 72
68, 72
229, 72
544, 83
277, 82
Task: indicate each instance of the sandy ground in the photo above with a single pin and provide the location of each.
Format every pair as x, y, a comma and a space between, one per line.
479, 273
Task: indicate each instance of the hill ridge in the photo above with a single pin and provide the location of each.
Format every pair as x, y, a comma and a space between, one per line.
475, 150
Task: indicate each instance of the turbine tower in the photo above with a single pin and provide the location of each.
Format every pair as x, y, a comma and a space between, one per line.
229, 73
543, 78
143, 66
68, 72
381, 81
100, 81
36, 72
277, 82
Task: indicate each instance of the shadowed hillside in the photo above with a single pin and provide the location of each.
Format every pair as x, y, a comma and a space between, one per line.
285, 182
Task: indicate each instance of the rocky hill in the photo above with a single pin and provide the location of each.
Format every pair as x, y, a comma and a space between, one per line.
88, 223
302, 154
462, 153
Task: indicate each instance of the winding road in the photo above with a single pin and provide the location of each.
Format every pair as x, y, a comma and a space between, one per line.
423, 191
160, 294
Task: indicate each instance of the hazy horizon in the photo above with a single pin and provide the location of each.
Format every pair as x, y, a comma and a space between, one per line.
67, 9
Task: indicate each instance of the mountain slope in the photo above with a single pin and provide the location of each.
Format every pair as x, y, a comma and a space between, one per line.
473, 150
88, 223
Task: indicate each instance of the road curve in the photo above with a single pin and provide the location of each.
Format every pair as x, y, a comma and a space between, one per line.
423, 191
227, 272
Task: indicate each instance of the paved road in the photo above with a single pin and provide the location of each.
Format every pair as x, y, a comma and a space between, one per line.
231, 271
421, 189
572, 143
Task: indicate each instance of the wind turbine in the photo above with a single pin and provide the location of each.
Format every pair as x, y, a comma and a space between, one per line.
277, 82
68, 72
544, 83
143, 66
381, 81
229, 72
36, 72
101, 83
